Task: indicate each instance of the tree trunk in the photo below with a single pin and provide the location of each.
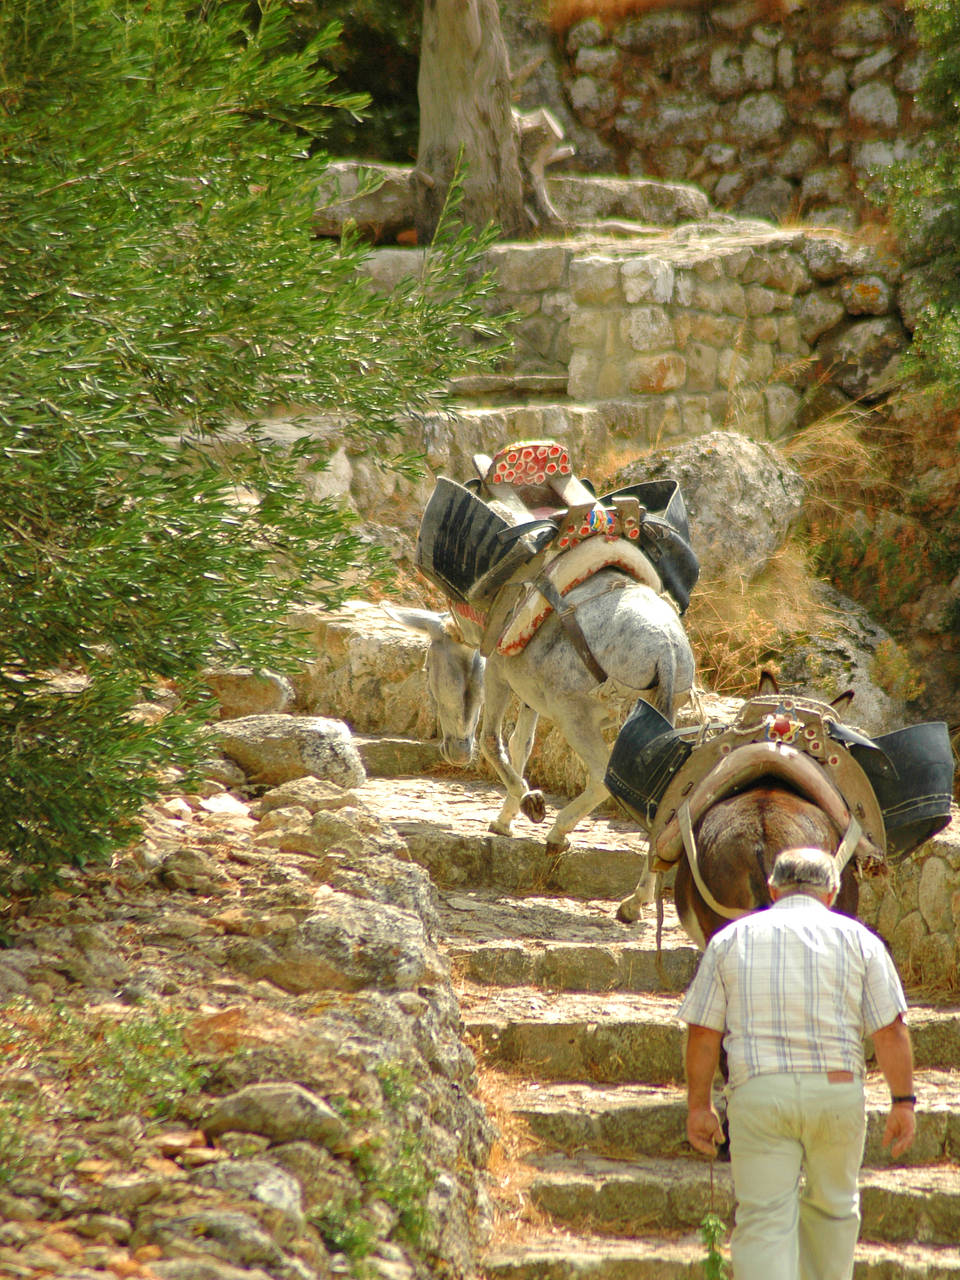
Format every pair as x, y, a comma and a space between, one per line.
464, 92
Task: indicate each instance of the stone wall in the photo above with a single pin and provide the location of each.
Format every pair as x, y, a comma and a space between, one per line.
708, 324
772, 117
916, 910
732, 328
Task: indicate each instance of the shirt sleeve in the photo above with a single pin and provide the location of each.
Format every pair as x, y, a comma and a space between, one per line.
705, 1004
883, 997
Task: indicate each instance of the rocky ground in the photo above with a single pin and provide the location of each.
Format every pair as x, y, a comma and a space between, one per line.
198, 1082
234, 1053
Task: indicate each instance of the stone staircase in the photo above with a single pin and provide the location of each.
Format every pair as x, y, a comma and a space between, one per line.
572, 1017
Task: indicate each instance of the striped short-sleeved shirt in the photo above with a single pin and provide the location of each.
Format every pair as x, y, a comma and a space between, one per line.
794, 988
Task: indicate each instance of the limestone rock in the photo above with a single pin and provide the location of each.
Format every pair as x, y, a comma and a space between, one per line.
234, 1237
874, 104
264, 1182
368, 667
663, 204
377, 198
312, 794
741, 497
244, 692
862, 356
401, 884
281, 1111
274, 749
194, 1268
346, 945
818, 313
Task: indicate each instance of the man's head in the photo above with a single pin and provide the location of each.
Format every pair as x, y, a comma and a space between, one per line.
809, 871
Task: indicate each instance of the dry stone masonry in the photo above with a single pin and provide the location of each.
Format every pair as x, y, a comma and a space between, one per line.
711, 329
701, 326
917, 911
774, 110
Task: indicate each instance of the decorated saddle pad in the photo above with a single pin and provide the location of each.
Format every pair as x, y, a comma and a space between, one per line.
909, 772
526, 503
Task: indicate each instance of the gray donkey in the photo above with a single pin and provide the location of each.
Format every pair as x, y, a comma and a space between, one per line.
638, 639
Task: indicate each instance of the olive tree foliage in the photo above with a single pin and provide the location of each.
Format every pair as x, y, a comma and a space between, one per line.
160, 299
924, 199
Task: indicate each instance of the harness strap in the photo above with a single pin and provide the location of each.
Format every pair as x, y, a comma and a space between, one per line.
690, 845
848, 845
659, 900
567, 615
843, 854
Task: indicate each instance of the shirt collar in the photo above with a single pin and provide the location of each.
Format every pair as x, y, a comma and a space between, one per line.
794, 900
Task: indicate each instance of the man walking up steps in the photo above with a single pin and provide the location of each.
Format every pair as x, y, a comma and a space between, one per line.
790, 992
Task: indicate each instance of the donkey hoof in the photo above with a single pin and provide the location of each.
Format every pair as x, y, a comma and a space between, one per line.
534, 806
556, 847
627, 912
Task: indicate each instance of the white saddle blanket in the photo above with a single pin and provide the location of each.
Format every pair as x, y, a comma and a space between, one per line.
566, 571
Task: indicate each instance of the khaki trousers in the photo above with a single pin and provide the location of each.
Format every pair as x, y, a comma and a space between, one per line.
788, 1226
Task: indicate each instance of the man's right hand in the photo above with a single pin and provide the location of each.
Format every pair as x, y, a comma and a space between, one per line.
900, 1129
703, 1130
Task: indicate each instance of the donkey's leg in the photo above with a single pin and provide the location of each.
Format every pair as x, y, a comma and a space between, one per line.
584, 721
664, 694
665, 697
532, 804
496, 698
630, 909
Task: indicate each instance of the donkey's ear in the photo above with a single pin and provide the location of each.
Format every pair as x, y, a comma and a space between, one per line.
425, 620
767, 682
841, 703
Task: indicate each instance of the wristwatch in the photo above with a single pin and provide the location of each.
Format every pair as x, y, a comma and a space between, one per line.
903, 1097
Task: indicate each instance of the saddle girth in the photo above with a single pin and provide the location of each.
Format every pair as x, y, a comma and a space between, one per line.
567, 616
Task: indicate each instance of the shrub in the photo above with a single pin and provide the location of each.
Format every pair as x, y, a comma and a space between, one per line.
923, 196
162, 303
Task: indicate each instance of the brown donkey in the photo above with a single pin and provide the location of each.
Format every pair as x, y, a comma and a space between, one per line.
739, 839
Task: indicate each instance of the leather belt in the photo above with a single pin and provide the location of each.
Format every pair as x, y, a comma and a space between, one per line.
567, 615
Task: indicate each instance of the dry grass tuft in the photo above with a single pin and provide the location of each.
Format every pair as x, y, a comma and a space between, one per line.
605, 462
737, 631
564, 13
837, 461
515, 1214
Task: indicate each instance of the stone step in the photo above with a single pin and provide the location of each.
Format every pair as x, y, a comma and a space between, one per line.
386, 756
625, 1121
562, 944
512, 390
616, 1037
574, 966
625, 1037
446, 827
521, 864
597, 1258
935, 1031
661, 1194
651, 1258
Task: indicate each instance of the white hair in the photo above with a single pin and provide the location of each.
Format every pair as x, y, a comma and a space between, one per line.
805, 869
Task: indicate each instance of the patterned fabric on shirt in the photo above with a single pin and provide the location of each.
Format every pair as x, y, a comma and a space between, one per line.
795, 987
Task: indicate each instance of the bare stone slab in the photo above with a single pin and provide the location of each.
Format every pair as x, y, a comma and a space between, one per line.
593, 1257
613, 1038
